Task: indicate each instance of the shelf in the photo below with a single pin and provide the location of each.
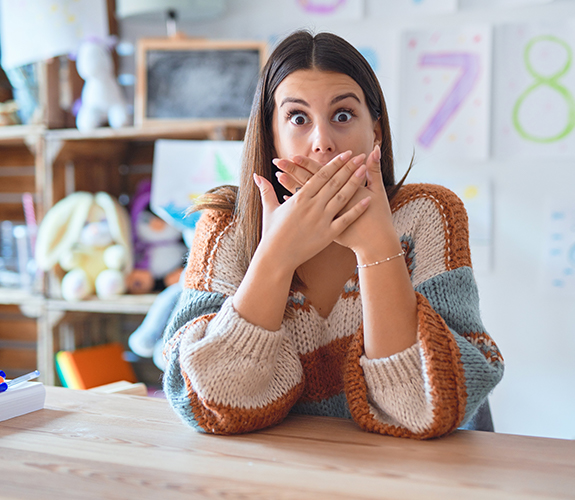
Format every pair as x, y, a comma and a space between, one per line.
19, 134
19, 297
200, 129
124, 304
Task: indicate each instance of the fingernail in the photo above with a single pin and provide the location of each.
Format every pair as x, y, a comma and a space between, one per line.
377, 152
365, 201
358, 160
257, 179
275, 161
278, 174
345, 156
296, 159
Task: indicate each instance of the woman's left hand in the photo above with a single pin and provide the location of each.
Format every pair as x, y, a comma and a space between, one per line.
359, 236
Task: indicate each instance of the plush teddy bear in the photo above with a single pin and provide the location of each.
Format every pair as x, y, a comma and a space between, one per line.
102, 100
88, 237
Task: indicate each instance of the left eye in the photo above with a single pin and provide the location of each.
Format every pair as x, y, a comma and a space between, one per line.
298, 119
342, 116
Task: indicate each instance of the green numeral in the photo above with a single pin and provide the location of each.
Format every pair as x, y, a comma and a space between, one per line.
551, 81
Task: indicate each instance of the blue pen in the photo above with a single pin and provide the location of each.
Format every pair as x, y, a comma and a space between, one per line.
19, 380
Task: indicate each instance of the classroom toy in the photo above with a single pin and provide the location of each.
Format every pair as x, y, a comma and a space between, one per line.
146, 341
102, 100
158, 246
88, 236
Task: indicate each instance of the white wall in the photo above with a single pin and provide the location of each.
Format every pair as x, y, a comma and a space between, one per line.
536, 334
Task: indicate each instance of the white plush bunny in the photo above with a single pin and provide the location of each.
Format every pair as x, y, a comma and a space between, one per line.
102, 99
89, 237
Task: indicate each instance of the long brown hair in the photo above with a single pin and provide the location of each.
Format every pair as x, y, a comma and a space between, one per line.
299, 51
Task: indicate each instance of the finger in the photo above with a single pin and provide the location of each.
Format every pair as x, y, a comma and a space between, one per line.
373, 163
298, 173
326, 173
358, 160
267, 193
312, 166
346, 193
301, 169
340, 178
340, 224
288, 182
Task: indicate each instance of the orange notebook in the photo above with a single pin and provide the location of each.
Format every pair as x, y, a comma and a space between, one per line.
94, 366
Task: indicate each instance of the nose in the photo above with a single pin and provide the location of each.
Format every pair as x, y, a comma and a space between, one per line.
323, 140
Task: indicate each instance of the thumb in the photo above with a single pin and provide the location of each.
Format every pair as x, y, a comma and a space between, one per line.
373, 165
267, 193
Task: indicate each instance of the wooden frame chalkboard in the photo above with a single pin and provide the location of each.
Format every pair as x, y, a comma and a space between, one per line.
181, 79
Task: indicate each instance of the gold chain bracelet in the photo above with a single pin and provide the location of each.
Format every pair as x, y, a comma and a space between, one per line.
381, 261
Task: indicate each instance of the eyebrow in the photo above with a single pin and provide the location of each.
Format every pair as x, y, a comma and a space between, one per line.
335, 100
345, 96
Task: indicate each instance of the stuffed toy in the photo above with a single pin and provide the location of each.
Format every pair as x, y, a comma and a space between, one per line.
158, 247
87, 236
102, 100
159, 256
146, 341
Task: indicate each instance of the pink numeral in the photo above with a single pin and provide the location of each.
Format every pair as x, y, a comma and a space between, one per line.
470, 65
321, 7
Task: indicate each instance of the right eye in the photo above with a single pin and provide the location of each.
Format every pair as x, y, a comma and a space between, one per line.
298, 118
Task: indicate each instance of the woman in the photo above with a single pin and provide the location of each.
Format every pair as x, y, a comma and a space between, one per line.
321, 286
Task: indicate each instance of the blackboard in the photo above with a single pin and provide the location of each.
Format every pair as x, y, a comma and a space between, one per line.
196, 80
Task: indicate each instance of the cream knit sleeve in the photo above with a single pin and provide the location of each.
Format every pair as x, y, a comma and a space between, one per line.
437, 385
397, 390
223, 374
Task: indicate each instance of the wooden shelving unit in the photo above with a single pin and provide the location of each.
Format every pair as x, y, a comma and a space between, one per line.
52, 163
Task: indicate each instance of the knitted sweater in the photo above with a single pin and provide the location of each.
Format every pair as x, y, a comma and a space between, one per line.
226, 376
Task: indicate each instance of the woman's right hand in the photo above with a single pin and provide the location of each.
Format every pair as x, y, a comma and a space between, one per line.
308, 221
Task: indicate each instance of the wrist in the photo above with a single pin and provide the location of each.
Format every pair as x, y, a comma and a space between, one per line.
377, 249
277, 266
262, 294
384, 260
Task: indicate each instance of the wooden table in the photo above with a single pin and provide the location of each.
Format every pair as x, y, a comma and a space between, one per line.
86, 445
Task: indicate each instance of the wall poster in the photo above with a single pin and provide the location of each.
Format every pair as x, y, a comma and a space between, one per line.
446, 92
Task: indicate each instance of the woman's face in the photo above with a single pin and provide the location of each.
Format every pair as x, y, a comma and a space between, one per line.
320, 114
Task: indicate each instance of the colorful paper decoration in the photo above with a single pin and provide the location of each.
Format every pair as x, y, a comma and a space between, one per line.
184, 170
332, 9
535, 91
446, 92
560, 251
34, 30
